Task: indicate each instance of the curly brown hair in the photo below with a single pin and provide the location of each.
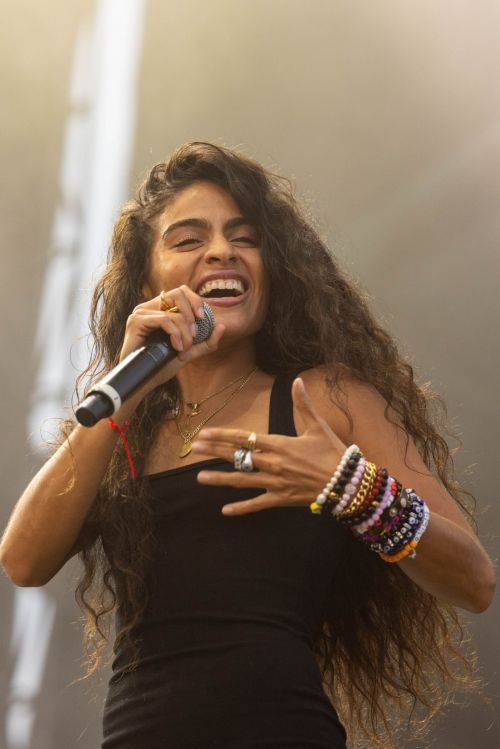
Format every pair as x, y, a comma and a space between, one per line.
388, 648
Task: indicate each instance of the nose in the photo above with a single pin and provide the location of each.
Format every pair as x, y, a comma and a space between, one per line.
219, 250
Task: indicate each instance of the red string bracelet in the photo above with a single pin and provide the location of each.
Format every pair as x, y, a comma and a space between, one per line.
121, 431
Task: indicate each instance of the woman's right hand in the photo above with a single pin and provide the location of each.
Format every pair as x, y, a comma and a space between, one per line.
149, 317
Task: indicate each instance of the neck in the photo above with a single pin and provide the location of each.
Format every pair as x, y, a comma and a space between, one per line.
203, 376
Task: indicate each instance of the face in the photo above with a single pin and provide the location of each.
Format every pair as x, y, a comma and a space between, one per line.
203, 240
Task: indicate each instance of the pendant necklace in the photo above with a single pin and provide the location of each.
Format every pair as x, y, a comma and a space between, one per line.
195, 406
188, 437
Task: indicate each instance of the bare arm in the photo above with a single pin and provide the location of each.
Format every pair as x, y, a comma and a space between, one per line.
46, 521
450, 562
43, 531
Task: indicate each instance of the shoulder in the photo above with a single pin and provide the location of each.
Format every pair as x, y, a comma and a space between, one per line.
360, 415
350, 406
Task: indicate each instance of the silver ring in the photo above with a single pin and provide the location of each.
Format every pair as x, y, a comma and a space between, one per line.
239, 455
247, 464
243, 460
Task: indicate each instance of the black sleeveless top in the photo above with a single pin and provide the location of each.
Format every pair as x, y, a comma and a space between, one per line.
236, 602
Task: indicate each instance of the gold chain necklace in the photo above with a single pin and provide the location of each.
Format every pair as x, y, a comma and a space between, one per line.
196, 405
187, 437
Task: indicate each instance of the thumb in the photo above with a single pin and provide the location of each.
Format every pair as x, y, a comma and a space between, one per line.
304, 404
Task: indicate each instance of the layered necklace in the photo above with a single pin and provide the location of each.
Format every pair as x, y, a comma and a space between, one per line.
195, 406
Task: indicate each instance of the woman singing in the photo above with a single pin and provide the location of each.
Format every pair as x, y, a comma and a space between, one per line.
272, 519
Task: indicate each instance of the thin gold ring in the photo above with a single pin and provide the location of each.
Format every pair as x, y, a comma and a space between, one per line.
251, 441
165, 306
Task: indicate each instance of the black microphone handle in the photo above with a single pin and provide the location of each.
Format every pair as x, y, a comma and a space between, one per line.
109, 393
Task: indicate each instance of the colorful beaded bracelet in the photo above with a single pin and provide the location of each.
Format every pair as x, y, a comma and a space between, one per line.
331, 493
390, 520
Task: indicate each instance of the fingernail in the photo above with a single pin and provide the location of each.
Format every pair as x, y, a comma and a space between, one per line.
194, 329
200, 312
181, 345
227, 510
203, 476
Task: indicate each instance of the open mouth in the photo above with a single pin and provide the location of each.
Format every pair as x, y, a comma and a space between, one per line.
222, 288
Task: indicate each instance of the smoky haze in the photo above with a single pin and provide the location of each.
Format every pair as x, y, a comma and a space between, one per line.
385, 115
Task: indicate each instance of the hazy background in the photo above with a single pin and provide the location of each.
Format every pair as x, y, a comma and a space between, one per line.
386, 115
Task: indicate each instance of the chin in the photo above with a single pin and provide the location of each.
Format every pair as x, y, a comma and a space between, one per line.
235, 333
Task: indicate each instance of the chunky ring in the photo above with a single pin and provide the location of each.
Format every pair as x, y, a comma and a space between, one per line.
165, 306
239, 455
243, 460
251, 441
247, 463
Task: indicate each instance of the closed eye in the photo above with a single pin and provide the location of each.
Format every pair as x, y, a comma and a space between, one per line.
244, 240
188, 241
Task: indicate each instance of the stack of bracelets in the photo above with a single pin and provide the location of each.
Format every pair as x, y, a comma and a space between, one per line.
388, 519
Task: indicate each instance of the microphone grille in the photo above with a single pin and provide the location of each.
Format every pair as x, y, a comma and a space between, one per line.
204, 326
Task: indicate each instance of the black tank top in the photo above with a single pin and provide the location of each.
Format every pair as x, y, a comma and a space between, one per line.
235, 603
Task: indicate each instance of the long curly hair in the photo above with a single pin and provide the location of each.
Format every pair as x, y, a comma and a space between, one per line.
390, 653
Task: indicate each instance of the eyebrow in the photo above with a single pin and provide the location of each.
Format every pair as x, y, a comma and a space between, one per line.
202, 223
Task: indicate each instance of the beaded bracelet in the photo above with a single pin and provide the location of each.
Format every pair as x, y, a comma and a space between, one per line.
399, 537
364, 489
346, 470
393, 519
390, 520
409, 549
328, 496
351, 487
371, 512
374, 519
401, 529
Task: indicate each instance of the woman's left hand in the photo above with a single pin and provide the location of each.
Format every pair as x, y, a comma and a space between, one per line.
293, 470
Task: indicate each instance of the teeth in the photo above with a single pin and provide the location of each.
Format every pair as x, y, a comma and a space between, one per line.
221, 283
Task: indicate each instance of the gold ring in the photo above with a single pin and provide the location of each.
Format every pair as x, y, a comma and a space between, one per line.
251, 441
165, 306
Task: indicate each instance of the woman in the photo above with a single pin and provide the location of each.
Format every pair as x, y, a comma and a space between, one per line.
247, 575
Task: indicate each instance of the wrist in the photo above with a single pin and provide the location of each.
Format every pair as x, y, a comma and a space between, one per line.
387, 518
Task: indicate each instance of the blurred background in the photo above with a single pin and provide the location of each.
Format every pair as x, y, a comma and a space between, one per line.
386, 116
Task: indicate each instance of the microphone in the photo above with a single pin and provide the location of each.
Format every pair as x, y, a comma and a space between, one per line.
107, 395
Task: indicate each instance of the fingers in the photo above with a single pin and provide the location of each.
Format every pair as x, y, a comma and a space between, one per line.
205, 347
304, 404
271, 464
237, 479
182, 321
180, 297
242, 481
234, 438
142, 322
180, 324
248, 506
